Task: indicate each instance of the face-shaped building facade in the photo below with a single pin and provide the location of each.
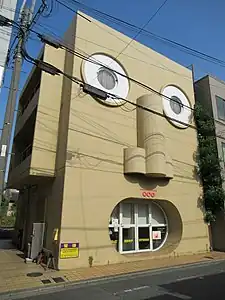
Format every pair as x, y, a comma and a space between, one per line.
113, 178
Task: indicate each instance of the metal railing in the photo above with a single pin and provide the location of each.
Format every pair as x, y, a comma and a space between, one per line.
27, 152
24, 106
20, 157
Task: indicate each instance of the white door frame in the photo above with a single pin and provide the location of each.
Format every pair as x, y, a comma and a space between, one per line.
136, 226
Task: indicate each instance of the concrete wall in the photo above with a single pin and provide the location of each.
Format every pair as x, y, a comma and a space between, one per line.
47, 119
97, 135
217, 88
207, 89
55, 197
79, 143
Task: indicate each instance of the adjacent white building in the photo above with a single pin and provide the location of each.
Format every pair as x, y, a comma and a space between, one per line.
7, 9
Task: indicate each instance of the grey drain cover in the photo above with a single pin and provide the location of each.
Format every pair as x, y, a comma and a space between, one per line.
46, 281
58, 279
35, 274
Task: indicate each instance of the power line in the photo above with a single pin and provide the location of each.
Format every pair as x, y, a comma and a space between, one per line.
45, 26
137, 34
123, 75
55, 71
82, 83
183, 48
96, 62
163, 67
80, 55
142, 28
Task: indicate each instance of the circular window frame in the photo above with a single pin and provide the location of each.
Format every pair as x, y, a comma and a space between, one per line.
121, 89
184, 119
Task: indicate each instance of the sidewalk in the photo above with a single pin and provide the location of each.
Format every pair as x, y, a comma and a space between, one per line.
17, 276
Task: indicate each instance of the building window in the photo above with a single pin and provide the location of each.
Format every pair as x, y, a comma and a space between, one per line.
176, 105
107, 75
138, 227
220, 103
223, 152
107, 78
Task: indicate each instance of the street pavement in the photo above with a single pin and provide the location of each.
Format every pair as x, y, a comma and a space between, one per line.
202, 281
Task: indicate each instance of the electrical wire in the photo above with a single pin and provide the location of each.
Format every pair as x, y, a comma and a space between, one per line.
143, 61
80, 55
163, 67
184, 48
77, 80
158, 66
82, 83
30, 59
46, 27
137, 34
46, 7
142, 28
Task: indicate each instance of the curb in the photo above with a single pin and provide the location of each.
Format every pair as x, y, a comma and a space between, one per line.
29, 292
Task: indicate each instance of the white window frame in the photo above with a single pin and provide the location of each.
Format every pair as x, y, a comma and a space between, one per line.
136, 226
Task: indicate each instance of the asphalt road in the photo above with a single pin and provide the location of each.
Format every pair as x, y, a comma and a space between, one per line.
205, 281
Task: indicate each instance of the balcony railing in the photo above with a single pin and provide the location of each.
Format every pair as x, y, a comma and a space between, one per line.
29, 99
26, 153
22, 156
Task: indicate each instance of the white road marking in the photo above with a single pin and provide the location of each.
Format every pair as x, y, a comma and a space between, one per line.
133, 290
188, 278
184, 297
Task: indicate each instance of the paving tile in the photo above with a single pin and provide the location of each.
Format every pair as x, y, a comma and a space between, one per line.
13, 273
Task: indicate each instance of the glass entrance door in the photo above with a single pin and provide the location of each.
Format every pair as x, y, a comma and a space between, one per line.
135, 227
143, 227
138, 226
128, 236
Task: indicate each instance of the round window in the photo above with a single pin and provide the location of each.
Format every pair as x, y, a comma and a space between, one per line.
107, 78
106, 74
176, 104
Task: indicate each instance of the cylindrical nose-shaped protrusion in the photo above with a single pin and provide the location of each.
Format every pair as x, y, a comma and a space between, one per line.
169, 166
150, 134
134, 161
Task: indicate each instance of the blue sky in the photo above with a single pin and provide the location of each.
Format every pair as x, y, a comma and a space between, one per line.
198, 24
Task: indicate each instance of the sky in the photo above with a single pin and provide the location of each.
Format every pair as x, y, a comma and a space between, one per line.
197, 24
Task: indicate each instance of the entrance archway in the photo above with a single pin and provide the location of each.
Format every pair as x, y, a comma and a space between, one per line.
138, 226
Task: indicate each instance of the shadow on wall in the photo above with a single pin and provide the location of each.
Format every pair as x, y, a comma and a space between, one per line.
145, 183
196, 175
174, 222
175, 226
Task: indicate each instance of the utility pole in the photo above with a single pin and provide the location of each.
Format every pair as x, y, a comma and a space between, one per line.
12, 99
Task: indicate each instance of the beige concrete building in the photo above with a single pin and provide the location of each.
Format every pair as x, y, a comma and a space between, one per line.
111, 181
210, 93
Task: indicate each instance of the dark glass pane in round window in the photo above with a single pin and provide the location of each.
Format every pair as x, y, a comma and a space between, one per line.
107, 78
176, 105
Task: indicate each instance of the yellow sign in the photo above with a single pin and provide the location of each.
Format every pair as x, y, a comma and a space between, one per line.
69, 250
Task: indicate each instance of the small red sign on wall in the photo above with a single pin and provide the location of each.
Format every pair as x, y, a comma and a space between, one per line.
148, 194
